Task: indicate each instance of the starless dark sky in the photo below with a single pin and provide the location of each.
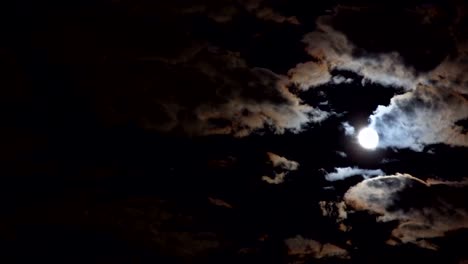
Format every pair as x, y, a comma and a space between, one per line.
226, 131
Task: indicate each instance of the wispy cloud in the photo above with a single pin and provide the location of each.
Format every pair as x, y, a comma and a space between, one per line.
346, 172
348, 129
218, 94
281, 163
303, 247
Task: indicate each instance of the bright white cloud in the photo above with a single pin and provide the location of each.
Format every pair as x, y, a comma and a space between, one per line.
421, 117
346, 172
348, 129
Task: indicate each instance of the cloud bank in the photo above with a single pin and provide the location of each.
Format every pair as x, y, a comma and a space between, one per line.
424, 211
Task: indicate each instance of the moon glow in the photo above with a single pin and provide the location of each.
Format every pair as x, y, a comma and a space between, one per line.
368, 138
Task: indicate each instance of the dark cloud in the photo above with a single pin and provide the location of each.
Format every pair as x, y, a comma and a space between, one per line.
304, 248
215, 92
185, 71
336, 210
219, 202
236, 98
420, 34
451, 73
226, 11
147, 222
262, 11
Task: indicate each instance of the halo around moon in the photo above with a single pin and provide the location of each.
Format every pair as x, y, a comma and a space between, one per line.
368, 138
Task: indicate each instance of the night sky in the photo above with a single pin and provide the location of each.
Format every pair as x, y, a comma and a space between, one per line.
228, 131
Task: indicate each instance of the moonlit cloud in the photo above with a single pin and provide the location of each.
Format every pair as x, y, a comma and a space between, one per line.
219, 94
281, 163
303, 247
228, 10
424, 211
277, 179
348, 129
262, 11
268, 14
342, 154
310, 74
341, 79
425, 115
239, 99
421, 117
157, 117
235, 98
332, 48
346, 172
219, 202
264, 102
335, 210
245, 115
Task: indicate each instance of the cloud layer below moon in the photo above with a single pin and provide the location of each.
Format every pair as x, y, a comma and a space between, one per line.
424, 211
346, 172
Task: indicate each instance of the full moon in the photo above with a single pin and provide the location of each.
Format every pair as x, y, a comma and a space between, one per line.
368, 138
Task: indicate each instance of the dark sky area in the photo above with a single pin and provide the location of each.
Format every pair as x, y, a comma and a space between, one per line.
226, 131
